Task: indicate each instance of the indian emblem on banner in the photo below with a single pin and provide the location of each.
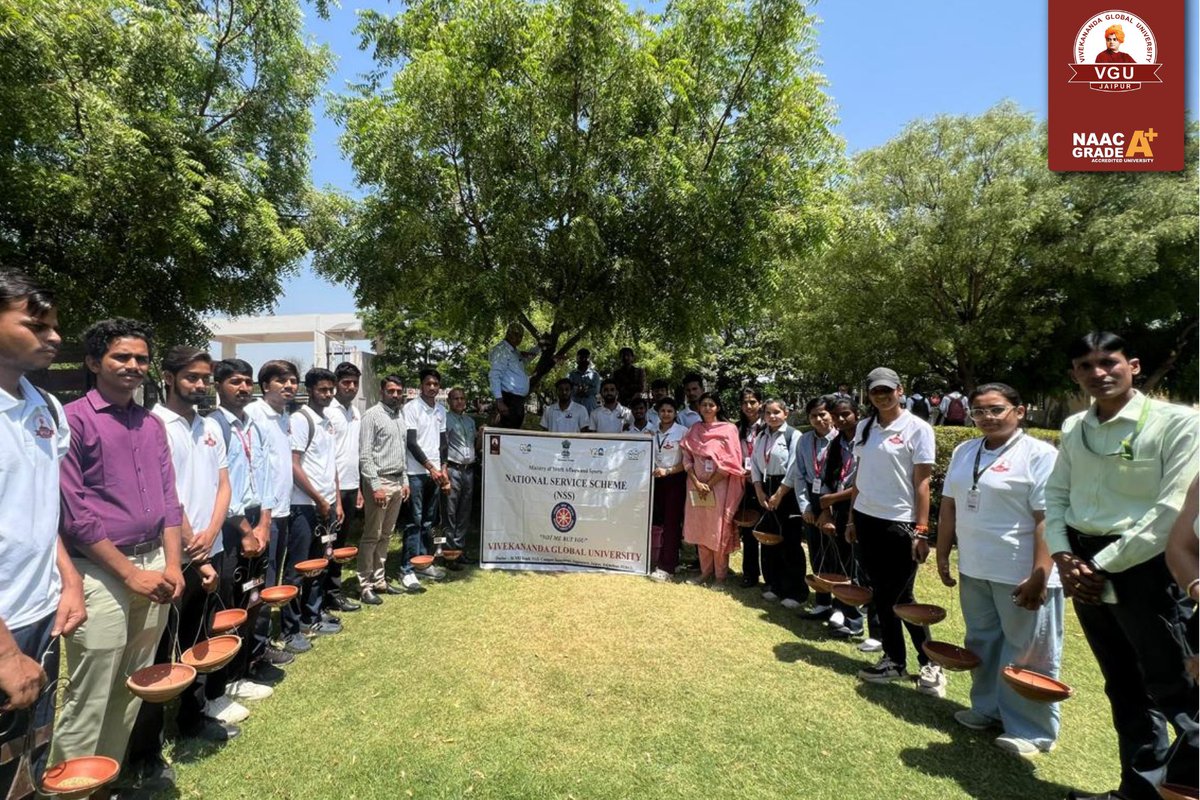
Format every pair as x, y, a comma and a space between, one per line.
1115, 51
563, 517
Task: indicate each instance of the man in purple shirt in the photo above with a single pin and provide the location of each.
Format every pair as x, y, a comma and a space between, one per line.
121, 523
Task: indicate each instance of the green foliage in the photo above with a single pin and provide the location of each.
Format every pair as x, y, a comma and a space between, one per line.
154, 155
581, 167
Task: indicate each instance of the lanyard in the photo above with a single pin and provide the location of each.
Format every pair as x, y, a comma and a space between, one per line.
976, 472
772, 438
246, 441
819, 466
847, 460
1125, 449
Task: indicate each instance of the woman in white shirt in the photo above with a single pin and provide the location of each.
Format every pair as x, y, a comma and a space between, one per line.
993, 505
670, 487
891, 522
773, 453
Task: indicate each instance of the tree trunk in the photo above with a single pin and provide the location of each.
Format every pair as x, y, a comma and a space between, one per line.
1168, 364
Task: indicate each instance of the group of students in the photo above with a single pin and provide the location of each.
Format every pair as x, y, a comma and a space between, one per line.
123, 530
112, 515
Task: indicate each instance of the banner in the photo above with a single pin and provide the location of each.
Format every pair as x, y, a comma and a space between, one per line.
578, 502
1116, 85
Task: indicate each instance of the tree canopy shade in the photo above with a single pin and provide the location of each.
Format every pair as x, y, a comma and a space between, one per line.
962, 257
575, 162
154, 155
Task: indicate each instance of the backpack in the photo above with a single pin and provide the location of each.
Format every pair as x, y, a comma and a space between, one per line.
957, 410
920, 408
50, 406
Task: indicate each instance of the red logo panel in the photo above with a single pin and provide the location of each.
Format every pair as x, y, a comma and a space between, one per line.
1116, 86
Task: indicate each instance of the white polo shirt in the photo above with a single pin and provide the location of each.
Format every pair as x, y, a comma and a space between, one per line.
610, 420
573, 420
687, 417
33, 445
995, 543
885, 466
429, 421
347, 422
319, 461
198, 455
276, 428
667, 452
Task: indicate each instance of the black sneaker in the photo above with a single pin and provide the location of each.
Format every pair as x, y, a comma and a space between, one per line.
748, 582
276, 657
344, 604
390, 588
268, 674
331, 619
211, 730
883, 672
369, 597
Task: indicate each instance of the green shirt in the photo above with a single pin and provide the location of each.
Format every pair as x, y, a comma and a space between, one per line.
1135, 498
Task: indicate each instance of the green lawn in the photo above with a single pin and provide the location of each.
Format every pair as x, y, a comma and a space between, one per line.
522, 685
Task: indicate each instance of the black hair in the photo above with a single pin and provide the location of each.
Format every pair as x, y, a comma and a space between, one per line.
583, 351
19, 286
776, 401
390, 379
182, 355
716, 398
316, 375
625, 350
430, 371
692, 377
606, 382
638, 401
1009, 393
825, 400
276, 368
845, 400
666, 401
659, 383
100, 335
561, 381
745, 424
346, 370
226, 368
1104, 341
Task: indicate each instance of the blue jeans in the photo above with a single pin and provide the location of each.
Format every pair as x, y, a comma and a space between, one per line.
420, 515
1001, 633
304, 540
37, 720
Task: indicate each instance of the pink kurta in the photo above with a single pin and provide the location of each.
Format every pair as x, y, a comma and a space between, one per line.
712, 448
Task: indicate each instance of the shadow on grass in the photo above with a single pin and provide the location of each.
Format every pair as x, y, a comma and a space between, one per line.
994, 775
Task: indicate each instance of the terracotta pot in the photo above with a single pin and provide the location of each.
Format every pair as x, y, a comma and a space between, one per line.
452, 555
311, 567
951, 656
160, 683
421, 562
852, 594
1173, 791
79, 777
227, 620
746, 518
1034, 685
920, 613
768, 538
279, 595
344, 555
212, 654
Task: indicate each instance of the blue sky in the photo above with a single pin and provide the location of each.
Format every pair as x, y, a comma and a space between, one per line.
888, 63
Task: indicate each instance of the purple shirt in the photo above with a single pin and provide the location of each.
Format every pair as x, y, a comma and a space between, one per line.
117, 479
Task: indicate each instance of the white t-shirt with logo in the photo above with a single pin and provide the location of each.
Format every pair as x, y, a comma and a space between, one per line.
610, 420
573, 420
429, 421
276, 429
33, 445
996, 542
198, 454
346, 425
320, 455
667, 452
885, 466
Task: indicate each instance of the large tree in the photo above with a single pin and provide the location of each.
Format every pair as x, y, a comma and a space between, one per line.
154, 155
580, 167
961, 257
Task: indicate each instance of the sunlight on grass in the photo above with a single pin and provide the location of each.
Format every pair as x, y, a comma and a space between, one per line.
502, 684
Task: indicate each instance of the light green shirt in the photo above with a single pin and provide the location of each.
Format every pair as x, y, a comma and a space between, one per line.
1137, 499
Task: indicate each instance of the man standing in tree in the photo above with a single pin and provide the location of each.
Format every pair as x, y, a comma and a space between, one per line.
630, 378
585, 380
508, 378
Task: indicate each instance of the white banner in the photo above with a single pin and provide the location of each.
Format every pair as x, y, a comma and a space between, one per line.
577, 502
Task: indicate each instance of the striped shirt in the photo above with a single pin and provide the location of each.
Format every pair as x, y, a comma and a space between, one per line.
383, 449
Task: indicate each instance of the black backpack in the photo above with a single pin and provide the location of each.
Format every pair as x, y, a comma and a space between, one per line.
920, 408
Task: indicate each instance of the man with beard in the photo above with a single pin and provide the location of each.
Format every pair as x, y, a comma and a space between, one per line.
610, 416
425, 424
346, 420
383, 449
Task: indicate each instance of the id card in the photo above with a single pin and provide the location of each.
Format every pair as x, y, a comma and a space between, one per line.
253, 583
439, 540
817, 486
973, 500
327, 538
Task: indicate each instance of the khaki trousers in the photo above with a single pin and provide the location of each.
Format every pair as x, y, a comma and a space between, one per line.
119, 638
378, 524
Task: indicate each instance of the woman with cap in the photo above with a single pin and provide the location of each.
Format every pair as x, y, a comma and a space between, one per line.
891, 522
994, 507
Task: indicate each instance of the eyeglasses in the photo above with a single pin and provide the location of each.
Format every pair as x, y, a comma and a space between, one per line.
991, 412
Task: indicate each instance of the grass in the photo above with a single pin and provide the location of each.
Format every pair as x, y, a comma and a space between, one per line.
517, 685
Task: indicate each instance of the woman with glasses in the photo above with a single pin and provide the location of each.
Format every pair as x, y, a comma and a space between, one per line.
891, 522
993, 506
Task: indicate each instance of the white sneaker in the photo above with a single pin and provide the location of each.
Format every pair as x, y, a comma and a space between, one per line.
871, 645
660, 575
248, 690
790, 603
932, 681
226, 710
433, 573
770, 596
412, 583
837, 619
1022, 748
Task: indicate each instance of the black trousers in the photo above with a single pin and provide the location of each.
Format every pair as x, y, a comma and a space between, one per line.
516, 410
784, 564
1140, 644
886, 558
751, 570
332, 578
242, 580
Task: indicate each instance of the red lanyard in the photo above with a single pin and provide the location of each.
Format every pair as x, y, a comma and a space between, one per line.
246, 441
